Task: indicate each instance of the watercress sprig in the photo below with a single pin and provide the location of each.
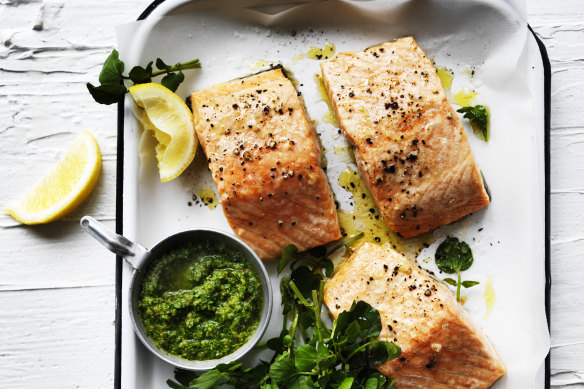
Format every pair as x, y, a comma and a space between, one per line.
453, 256
111, 77
479, 119
308, 353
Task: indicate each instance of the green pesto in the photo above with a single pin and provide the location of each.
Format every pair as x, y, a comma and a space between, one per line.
201, 301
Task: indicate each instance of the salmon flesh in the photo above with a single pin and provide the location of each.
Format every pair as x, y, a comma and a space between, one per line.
441, 347
410, 146
264, 157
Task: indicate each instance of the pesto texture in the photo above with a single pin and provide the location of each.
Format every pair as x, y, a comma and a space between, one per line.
201, 301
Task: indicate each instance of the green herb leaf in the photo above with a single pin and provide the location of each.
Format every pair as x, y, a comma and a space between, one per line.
453, 255
111, 88
287, 255
140, 75
347, 383
113, 67
328, 266
306, 280
479, 119
172, 80
160, 65
469, 284
209, 380
184, 377
107, 94
302, 382
175, 385
305, 357
282, 369
365, 315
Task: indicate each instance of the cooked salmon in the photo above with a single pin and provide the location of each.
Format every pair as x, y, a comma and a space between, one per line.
410, 146
264, 157
441, 346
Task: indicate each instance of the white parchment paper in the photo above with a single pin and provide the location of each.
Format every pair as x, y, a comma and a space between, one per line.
236, 38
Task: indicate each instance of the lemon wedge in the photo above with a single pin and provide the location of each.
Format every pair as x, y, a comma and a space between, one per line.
171, 121
64, 187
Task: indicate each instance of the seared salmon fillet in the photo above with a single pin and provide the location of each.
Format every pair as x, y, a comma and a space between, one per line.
264, 157
410, 146
441, 346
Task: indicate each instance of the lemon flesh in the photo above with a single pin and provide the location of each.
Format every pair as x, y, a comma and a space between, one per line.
171, 122
64, 187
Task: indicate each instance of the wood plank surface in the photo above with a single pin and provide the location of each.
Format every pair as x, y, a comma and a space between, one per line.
57, 285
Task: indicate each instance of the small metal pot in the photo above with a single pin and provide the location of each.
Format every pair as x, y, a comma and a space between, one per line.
138, 257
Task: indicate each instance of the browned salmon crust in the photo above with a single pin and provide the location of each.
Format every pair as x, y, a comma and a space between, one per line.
441, 346
264, 157
410, 146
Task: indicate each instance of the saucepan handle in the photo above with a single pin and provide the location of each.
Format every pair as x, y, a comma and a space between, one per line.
132, 252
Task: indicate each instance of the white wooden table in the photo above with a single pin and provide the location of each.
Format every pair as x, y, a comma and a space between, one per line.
57, 286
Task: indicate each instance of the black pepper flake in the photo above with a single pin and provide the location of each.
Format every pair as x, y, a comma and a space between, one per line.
377, 239
266, 109
293, 223
351, 94
235, 106
412, 156
389, 169
431, 362
428, 293
369, 141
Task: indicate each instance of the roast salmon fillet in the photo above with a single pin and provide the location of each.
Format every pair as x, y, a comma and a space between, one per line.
441, 346
409, 144
264, 157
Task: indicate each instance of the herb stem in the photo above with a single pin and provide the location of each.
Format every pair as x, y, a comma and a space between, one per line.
194, 64
357, 350
458, 286
294, 325
299, 295
345, 242
317, 307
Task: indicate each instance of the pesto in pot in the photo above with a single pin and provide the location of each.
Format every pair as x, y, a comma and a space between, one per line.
201, 301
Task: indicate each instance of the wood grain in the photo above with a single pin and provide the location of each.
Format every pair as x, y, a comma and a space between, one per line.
57, 285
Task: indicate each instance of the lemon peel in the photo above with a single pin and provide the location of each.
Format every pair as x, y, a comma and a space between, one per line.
167, 116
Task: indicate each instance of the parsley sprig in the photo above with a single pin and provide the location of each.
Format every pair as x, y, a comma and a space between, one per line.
479, 119
111, 77
453, 256
308, 353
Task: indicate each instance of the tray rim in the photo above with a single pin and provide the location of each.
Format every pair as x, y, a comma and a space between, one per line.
120, 196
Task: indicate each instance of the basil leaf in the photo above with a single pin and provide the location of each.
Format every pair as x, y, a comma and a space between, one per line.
453, 256
469, 284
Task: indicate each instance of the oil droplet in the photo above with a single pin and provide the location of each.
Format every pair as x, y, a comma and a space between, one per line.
346, 153
490, 297
330, 116
208, 198
319, 54
298, 58
260, 64
446, 76
464, 96
366, 218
